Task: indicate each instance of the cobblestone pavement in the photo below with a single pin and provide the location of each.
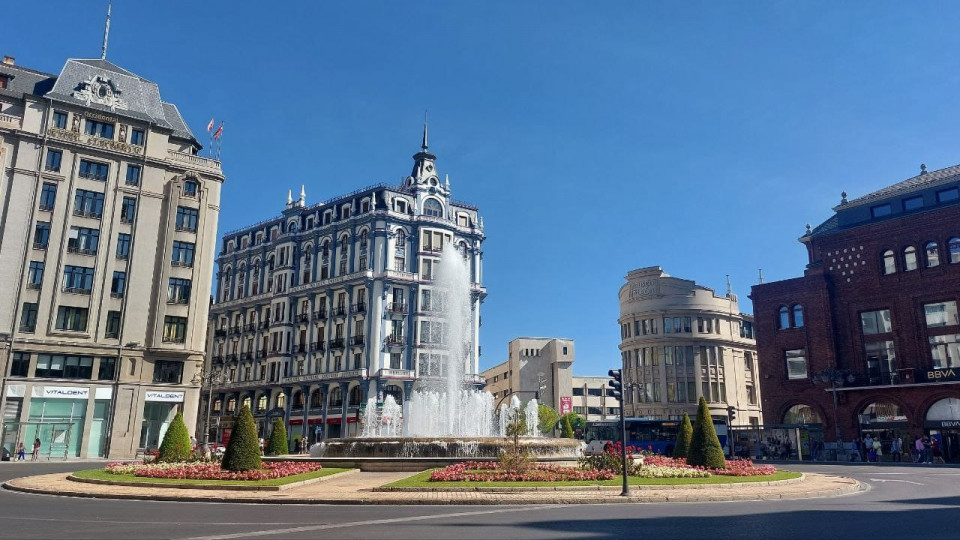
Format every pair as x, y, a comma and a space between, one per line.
358, 489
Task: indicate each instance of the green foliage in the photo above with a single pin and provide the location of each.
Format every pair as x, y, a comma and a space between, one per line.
567, 428
705, 449
176, 444
684, 436
576, 421
516, 457
548, 418
243, 450
278, 446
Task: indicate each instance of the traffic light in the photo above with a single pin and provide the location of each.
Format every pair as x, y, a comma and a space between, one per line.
616, 382
732, 413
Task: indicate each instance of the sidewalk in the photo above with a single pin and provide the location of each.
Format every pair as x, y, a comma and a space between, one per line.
358, 489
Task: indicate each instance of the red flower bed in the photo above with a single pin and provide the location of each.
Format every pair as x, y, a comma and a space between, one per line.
474, 471
212, 471
735, 467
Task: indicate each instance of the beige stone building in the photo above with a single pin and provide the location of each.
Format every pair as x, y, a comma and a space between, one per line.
108, 226
535, 367
681, 341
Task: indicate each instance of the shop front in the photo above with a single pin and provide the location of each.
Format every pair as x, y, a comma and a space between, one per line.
159, 409
942, 424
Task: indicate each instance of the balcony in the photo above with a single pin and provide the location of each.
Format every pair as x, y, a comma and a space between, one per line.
10, 121
217, 360
81, 251
76, 290
303, 317
302, 348
262, 353
357, 340
246, 356
235, 329
318, 347
396, 374
195, 161
264, 325
336, 343
250, 327
340, 311
232, 357
396, 341
79, 212
397, 307
322, 314
222, 332
40, 245
116, 294
359, 308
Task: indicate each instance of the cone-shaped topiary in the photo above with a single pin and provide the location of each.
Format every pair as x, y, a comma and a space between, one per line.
278, 440
705, 449
243, 450
176, 444
683, 438
567, 428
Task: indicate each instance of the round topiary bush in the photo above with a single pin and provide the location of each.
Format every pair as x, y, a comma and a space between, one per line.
705, 449
278, 440
243, 450
176, 445
683, 438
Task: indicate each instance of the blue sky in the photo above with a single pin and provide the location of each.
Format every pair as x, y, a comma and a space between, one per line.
594, 137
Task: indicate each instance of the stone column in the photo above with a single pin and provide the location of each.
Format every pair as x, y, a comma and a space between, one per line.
325, 396
343, 409
305, 434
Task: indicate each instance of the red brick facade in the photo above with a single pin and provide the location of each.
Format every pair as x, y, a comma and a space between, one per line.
846, 277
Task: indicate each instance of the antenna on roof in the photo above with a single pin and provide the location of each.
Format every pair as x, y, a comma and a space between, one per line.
761, 276
424, 145
729, 287
106, 33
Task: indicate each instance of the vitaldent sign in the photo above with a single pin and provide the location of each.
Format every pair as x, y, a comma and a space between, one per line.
61, 392
168, 397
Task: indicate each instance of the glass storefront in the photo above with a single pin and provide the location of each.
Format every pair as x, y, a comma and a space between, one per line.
98, 429
58, 423
156, 419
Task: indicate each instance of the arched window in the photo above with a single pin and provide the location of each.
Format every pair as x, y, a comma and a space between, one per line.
801, 414
281, 400
231, 405
889, 262
393, 391
401, 238
336, 397
909, 259
784, 317
953, 246
325, 249
293, 226
798, 316
316, 399
246, 402
298, 401
356, 396
217, 405
363, 240
262, 403
883, 411
432, 207
932, 254
462, 246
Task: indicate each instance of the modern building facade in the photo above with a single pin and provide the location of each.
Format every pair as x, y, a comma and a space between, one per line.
867, 341
108, 225
681, 341
327, 305
593, 399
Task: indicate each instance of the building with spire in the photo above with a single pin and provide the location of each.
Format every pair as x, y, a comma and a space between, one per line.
329, 304
108, 218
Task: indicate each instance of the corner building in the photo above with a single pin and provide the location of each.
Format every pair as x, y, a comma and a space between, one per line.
108, 225
681, 341
867, 341
325, 306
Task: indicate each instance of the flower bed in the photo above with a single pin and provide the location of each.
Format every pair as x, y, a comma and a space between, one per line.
210, 471
474, 471
735, 467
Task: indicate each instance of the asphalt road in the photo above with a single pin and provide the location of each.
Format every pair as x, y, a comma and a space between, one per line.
903, 502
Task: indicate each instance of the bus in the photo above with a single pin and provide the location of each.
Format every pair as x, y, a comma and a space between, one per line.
657, 436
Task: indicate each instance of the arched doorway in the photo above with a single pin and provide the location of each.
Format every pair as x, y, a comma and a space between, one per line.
883, 421
943, 424
801, 414
395, 391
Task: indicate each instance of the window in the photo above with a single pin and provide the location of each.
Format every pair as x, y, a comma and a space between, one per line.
187, 219
751, 394
167, 371
913, 203
123, 246
174, 329
59, 120
137, 137
54, 157
933, 254
945, 351
889, 262
784, 320
108, 368
909, 259
64, 366
88, 204
432, 207
48, 196
77, 279
83, 240
41, 235
953, 246
99, 129
133, 175
798, 316
178, 291
946, 195
428, 269
20, 364
941, 314
72, 318
128, 209
881, 210
876, 322
94, 170
118, 285
112, 331
35, 275
28, 317
796, 363
189, 188
881, 362
182, 253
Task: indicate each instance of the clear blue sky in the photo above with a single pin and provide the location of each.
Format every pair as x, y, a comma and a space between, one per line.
595, 138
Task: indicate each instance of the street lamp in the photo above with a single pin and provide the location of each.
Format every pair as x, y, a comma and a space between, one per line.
209, 378
836, 379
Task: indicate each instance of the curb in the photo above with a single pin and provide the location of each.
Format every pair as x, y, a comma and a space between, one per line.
219, 487
643, 487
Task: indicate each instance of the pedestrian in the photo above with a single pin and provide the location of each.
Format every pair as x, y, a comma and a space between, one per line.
918, 448
896, 447
36, 449
937, 451
20, 452
877, 450
927, 453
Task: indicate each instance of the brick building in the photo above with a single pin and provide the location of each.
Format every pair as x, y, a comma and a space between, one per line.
873, 321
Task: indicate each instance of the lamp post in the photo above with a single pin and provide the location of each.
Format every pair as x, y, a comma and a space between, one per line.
836, 379
209, 378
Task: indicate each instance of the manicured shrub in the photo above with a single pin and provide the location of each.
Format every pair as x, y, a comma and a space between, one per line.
243, 450
567, 428
683, 438
705, 449
278, 440
176, 444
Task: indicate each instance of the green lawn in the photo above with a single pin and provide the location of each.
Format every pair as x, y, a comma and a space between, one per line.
100, 474
422, 480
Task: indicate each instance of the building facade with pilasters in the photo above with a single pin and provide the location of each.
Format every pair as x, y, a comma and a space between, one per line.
331, 304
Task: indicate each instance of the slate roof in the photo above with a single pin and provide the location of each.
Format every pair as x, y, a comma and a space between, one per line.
921, 181
25, 81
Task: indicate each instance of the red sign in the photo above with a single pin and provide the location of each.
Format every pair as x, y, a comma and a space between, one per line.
566, 404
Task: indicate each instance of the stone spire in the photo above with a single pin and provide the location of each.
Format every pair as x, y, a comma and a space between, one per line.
303, 195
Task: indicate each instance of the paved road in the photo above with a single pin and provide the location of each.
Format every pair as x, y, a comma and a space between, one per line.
902, 502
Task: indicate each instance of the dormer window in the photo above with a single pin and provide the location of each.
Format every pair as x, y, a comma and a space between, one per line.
946, 195
103, 130
881, 210
432, 207
3, 82
912, 203
365, 206
400, 206
190, 188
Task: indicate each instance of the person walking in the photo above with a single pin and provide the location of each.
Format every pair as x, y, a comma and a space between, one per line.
918, 448
36, 449
20, 452
877, 450
896, 447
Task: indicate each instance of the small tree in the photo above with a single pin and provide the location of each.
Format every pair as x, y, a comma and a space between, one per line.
516, 457
176, 445
278, 440
243, 450
567, 428
576, 422
548, 417
683, 438
705, 449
